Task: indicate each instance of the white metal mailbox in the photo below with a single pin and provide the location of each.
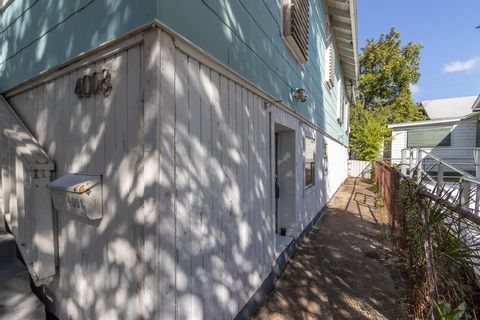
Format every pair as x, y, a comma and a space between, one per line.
79, 194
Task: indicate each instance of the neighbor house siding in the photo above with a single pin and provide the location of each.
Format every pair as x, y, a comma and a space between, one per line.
244, 35
463, 135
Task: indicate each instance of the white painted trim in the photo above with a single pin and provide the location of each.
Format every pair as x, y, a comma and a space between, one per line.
423, 123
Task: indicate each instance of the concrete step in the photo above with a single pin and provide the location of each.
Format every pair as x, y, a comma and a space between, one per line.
17, 302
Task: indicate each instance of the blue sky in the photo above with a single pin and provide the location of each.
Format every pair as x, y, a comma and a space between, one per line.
450, 59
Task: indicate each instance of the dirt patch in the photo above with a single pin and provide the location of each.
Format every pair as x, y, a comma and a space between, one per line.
344, 268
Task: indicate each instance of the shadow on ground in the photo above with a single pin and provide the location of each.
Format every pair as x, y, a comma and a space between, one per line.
341, 270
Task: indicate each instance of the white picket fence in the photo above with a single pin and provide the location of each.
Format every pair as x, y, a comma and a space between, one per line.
360, 169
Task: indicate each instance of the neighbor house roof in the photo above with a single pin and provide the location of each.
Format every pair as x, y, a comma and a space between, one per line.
449, 108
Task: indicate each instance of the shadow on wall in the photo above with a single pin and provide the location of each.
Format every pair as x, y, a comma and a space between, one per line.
36, 35
30, 45
187, 217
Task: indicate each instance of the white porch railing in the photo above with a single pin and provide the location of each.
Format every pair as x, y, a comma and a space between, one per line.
443, 178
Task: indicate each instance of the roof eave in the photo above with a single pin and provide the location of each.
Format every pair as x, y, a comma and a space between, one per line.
423, 123
345, 28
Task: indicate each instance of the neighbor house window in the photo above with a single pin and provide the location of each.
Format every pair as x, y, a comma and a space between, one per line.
296, 27
309, 149
429, 137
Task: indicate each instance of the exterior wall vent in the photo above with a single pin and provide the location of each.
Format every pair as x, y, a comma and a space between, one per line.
296, 27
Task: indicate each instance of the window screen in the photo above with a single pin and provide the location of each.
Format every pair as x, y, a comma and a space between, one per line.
429, 137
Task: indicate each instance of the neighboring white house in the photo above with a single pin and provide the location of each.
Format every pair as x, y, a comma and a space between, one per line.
450, 133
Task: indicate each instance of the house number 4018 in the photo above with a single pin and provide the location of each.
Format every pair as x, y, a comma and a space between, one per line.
94, 84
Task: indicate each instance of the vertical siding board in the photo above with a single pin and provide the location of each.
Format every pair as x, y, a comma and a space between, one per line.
182, 160
195, 186
206, 180
69, 226
60, 166
239, 216
87, 244
166, 226
121, 250
251, 194
151, 64
267, 178
258, 191
134, 149
217, 196
224, 192
50, 115
234, 202
86, 127
107, 227
98, 158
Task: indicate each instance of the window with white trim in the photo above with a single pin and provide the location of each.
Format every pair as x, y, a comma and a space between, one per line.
296, 20
309, 151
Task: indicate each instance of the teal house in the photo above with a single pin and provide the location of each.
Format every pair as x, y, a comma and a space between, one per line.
162, 159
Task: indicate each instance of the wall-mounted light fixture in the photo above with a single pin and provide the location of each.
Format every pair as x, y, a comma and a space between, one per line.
299, 94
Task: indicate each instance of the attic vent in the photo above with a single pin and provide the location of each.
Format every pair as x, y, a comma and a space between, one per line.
295, 29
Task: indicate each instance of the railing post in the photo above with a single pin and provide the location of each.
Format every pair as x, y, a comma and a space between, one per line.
412, 165
419, 166
476, 157
403, 164
464, 193
440, 174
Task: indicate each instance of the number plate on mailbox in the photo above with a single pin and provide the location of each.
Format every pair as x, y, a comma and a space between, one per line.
79, 194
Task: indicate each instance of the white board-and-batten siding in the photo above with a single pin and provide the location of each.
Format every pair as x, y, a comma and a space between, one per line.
185, 153
99, 270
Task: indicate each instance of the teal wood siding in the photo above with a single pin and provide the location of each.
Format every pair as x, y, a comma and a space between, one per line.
244, 35
36, 35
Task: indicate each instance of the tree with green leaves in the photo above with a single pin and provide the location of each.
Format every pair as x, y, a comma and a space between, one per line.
367, 133
387, 71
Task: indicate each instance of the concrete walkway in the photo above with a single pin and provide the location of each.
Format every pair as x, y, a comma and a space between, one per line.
17, 302
341, 270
